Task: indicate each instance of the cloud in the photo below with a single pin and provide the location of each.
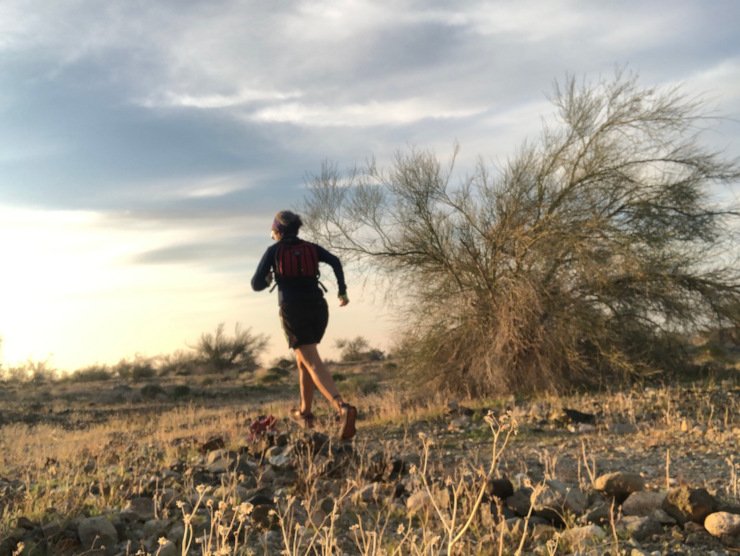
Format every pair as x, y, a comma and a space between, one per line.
374, 113
205, 253
215, 101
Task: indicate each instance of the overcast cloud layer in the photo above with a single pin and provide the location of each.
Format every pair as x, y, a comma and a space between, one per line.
159, 115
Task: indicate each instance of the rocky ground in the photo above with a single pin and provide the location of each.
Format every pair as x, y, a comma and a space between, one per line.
112, 468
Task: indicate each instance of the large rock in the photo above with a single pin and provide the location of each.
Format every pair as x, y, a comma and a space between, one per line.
684, 504
619, 484
722, 524
643, 503
98, 532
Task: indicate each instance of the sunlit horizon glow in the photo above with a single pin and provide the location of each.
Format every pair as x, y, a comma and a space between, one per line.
146, 147
77, 300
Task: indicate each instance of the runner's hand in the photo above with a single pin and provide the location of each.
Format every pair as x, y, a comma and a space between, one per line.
343, 300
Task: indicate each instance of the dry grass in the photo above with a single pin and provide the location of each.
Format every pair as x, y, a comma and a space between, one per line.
96, 467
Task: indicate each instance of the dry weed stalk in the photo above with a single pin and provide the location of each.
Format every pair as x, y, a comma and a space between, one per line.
668, 469
501, 430
733, 475
589, 464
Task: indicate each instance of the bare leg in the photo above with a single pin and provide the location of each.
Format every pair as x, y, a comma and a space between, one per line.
308, 357
307, 387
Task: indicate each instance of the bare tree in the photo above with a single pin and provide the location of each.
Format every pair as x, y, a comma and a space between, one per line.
585, 258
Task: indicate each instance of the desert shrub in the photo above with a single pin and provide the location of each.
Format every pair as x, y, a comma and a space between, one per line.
40, 372
180, 363
274, 374
357, 349
283, 363
91, 374
360, 385
181, 391
220, 352
279, 372
35, 371
151, 391
140, 368
580, 260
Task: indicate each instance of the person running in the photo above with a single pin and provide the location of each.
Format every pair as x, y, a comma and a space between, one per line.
304, 314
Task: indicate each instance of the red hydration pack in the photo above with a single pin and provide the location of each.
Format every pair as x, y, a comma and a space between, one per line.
296, 260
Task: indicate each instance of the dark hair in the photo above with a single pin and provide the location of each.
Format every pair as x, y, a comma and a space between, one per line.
287, 223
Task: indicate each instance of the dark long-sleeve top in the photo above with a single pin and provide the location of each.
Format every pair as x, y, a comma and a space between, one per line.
296, 289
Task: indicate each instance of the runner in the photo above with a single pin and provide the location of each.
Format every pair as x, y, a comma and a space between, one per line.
304, 314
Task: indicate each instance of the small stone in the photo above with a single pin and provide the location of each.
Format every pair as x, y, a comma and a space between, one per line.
500, 488
96, 532
263, 516
327, 505
218, 467
167, 548
366, 494
520, 501
643, 503
723, 523
141, 506
640, 528
177, 532
280, 461
599, 514
217, 455
662, 517
576, 416
543, 532
619, 484
214, 443
459, 423
418, 502
513, 526
622, 428
556, 499
51, 528
156, 528
578, 537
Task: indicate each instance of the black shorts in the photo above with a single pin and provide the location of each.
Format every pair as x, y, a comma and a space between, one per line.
304, 322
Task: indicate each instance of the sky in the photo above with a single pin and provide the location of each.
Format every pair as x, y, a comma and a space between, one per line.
145, 146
